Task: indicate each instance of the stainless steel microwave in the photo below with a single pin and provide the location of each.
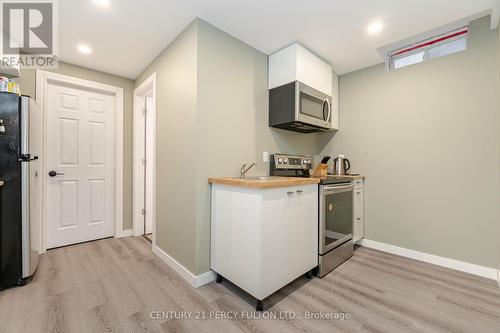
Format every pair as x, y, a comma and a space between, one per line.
298, 107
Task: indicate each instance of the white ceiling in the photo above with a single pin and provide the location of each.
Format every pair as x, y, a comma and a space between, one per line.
129, 34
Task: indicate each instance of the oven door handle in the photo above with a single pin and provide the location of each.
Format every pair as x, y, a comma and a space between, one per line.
338, 189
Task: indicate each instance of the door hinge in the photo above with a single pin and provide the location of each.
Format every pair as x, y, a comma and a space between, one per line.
143, 211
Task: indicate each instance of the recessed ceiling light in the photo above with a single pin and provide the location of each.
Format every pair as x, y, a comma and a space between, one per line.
102, 3
375, 27
85, 49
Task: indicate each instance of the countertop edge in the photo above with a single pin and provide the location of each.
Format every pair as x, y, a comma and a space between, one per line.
262, 184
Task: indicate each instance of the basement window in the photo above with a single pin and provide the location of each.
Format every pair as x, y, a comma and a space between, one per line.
449, 43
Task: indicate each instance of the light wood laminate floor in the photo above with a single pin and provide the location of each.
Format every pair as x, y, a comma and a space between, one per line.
112, 285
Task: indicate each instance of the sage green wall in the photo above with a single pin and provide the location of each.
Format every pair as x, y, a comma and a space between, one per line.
427, 138
27, 81
232, 121
394, 125
498, 80
176, 75
212, 116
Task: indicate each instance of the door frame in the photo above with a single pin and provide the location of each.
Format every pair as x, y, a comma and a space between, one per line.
138, 137
43, 78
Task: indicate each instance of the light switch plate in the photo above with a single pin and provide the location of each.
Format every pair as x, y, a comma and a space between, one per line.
265, 157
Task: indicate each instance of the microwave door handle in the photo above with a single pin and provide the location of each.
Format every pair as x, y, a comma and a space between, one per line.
327, 120
329, 111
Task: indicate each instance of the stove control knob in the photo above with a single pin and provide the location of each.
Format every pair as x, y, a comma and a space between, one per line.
285, 161
304, 162
280, 160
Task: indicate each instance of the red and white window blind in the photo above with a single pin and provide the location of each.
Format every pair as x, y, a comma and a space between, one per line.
438, 46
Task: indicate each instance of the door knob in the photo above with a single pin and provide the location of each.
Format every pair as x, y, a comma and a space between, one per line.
54, 173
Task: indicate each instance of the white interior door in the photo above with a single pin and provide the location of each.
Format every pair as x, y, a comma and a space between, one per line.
80, 149
143, 164
148, 181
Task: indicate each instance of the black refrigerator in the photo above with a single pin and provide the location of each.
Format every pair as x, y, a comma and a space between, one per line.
19, 229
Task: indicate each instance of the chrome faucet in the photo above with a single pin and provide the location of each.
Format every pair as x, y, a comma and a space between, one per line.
244, 169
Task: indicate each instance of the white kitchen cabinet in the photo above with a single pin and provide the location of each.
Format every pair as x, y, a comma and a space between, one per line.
359, 227
296, 63
335, 102
263, 239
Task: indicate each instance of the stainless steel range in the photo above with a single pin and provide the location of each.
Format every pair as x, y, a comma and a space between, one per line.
335, 209
335, 223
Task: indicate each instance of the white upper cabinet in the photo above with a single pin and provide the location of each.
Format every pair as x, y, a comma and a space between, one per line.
335, 101
296, 63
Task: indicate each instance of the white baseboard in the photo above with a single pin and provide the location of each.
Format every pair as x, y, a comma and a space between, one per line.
124, 233
204, 278
194, 280
487, 272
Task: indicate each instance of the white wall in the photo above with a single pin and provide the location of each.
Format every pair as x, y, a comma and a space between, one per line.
427, 138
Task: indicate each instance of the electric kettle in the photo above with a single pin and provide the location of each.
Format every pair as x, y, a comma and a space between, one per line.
341, 165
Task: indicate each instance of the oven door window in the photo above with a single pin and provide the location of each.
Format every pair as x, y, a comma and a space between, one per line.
338, 218
313, 107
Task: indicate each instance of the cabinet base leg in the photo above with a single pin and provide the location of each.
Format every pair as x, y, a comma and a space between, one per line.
259, 307
219, 278
309, 275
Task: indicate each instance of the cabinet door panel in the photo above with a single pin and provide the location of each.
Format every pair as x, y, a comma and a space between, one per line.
358, 183
359, 228
289, 235
235, 236
358, 201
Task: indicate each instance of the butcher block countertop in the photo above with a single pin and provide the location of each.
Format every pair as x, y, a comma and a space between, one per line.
268, 182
